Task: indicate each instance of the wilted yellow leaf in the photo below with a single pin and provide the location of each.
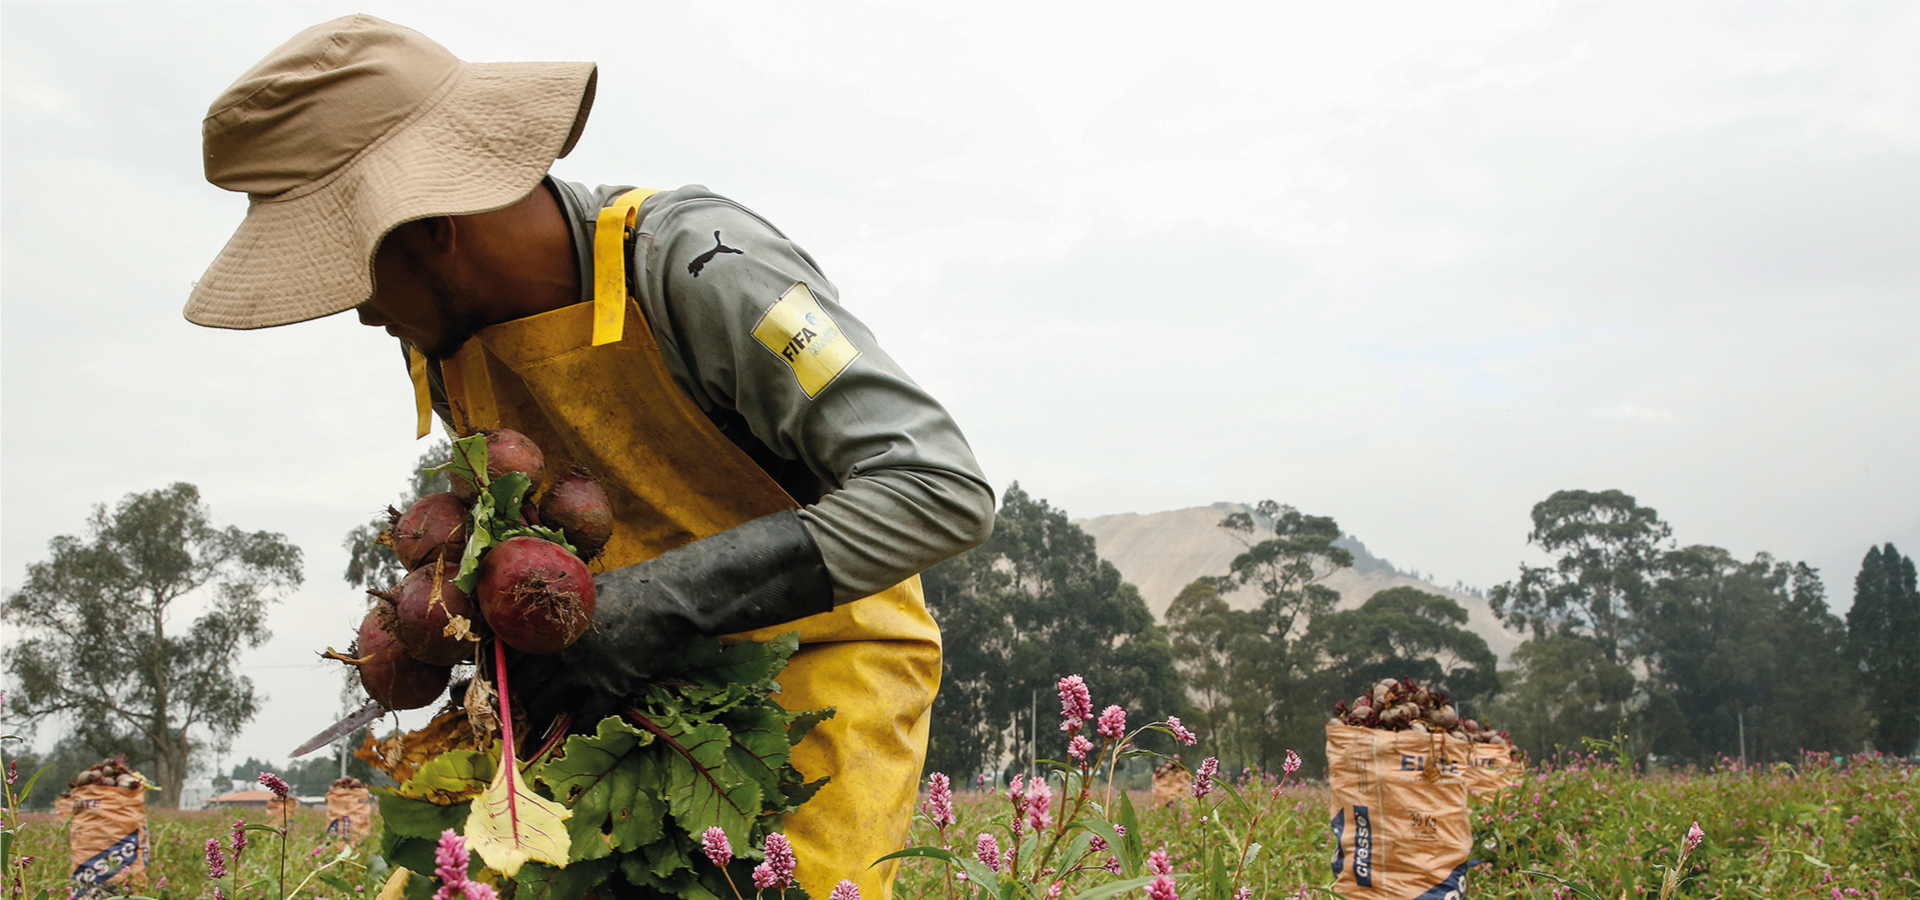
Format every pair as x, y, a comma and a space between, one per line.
396, 886
510, 824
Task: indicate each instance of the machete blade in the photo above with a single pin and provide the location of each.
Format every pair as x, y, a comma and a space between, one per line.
373, 710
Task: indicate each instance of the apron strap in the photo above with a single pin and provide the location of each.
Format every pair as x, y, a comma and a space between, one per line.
609, 294
422, 394
610, 264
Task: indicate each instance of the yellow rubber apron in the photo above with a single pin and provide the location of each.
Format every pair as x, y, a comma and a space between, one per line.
594, 391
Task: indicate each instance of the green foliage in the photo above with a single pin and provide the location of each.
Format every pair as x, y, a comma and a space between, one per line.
1883, 633
1745, 648
1800, 830
371, 564
1562, 688
177, 853
312, 776
1691, 645
1259, 668
1300, 551
1213, 645
1822, 824
1405, 632
1086, 846
707, 746
1033, 602
1608, 549
100, 643
1797, 830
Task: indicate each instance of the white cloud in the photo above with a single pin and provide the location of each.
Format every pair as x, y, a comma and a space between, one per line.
1415, 266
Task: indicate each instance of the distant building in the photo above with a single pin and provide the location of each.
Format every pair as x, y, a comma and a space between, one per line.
242, 800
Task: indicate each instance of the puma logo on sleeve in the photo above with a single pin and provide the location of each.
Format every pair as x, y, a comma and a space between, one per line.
700, 262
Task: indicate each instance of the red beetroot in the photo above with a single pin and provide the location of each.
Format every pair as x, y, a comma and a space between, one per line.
434, 527
507, 451
421, 618
537, 597
387, 673
577, 506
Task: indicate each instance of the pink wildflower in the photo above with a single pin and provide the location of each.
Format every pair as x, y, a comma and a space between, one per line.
239, 838
1694, 835
13, 772
1076, 705
1017, 794
1180, 732
777, 871
939, 805
1112, 865
275, 784
1243, 893
1039, 799
450, 866
1079, 747
1292, 764
1053, 893
216, 861
987, 849
714, 842
1113, 723
1162, 889
1203, 779
1159, 864
845, 890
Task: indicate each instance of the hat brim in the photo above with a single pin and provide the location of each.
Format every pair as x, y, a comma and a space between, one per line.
483, 146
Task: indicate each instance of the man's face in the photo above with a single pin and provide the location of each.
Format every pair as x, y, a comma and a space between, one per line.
414, 301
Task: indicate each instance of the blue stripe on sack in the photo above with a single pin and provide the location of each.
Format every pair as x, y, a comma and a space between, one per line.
1362, 848
108, 863
1449, 889
1339, 825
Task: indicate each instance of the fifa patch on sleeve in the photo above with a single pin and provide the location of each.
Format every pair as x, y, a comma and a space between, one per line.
798, 331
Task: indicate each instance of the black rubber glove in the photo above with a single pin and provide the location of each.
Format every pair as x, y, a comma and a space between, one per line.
761, 573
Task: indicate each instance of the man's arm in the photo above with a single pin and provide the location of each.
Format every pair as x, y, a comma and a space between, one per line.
749, 324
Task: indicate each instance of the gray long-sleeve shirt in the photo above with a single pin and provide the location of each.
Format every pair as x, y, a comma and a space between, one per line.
887, 482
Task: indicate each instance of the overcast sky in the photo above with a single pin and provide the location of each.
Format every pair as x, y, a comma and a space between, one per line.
1414, 267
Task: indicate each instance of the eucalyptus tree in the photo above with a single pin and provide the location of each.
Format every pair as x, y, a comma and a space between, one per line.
102, 637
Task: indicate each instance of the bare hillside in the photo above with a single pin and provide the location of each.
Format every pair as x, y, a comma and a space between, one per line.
1162, 552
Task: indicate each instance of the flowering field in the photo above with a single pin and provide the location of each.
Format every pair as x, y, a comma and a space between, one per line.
177, 867
1822, 829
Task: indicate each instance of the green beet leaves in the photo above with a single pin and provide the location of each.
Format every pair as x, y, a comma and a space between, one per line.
705, 746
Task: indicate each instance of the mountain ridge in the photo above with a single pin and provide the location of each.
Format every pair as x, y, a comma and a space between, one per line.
1162, 552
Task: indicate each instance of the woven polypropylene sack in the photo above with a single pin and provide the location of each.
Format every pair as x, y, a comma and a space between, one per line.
107, 839
1398, 813
349, 814
1494, 769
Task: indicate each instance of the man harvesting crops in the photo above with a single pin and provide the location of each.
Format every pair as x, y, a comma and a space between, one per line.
770, 468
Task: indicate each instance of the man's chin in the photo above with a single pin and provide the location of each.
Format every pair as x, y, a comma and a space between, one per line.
442, 349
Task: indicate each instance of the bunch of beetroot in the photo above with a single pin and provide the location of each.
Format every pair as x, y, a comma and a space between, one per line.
112, 773
1399, 704
483, 560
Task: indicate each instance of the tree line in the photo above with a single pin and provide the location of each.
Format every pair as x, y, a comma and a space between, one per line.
1688, 651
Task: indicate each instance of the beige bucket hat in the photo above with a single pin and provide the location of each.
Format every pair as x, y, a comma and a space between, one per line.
352, 128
